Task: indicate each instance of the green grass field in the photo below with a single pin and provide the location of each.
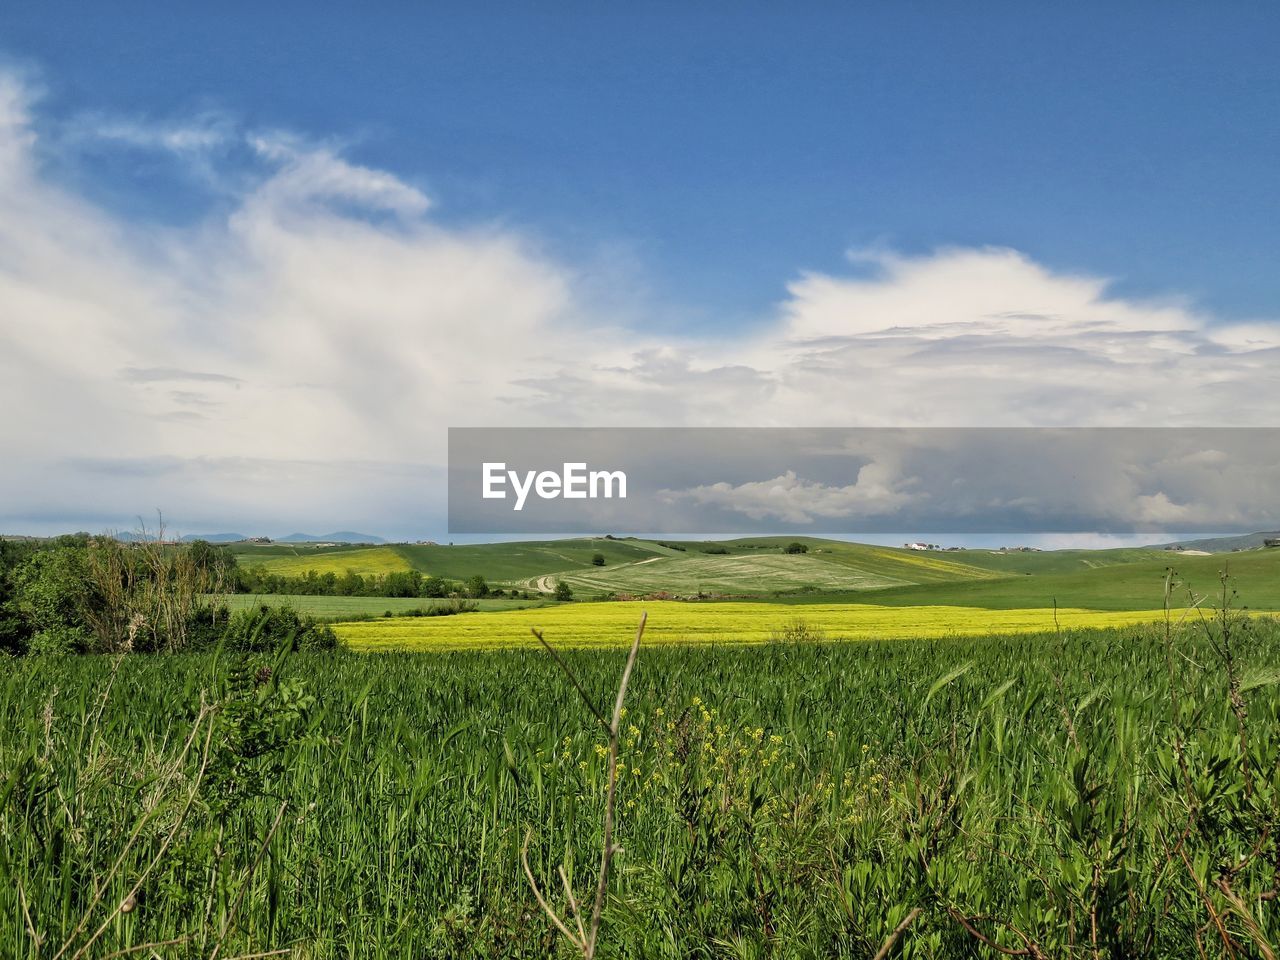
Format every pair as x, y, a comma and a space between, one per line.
496, 562
1255, 576
785, 800
763, 570
343, 608
729, 575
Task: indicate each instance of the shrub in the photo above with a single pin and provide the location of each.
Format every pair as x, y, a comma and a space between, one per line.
454, 606
269, 628
797, 631
597, 559
435, 587
205, 627
795, 546
59, 640
51, 592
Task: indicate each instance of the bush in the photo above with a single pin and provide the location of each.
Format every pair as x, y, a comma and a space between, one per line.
59, 640
453, 607
269, 628
51, 592
435, 587
597, 559
716, 550
795, 546
206, 626
797, 631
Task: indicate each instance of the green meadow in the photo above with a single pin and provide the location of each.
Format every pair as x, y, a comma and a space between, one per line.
348, 608
1095, 793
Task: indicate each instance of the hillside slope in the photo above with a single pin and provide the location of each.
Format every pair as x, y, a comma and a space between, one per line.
1136, 585
1122, 579
759, 566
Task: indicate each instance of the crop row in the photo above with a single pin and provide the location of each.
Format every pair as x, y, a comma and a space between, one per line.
594, 624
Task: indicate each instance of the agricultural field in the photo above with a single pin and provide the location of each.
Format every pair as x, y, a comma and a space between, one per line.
346, 608
726, 575
1254, 575
506, 563
755, 565
595, 624
1119, 579
520, 562
760, 572
295, 560
1084, 794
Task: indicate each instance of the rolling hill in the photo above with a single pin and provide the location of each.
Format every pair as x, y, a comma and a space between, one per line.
1117, 579
1246, 541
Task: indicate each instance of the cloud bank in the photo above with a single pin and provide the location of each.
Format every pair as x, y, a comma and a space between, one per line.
295, 357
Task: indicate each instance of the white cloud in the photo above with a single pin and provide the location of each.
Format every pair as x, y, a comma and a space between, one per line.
202, 133
328, 319
876, 492
307, 173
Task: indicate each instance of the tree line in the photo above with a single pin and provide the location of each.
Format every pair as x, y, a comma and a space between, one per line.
398, 583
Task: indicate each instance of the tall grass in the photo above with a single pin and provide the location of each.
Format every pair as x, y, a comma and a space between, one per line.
1099, 794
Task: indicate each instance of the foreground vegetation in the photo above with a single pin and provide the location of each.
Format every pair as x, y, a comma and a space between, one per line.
82, 594
1092, 794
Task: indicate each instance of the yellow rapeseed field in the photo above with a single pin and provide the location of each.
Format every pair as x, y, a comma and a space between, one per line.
611, 624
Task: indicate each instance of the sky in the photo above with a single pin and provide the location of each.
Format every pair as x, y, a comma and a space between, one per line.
255, 260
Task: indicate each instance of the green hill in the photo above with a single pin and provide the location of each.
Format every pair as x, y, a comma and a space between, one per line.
759, 566
496, 562
1119, 579
1246, 541
1133, 585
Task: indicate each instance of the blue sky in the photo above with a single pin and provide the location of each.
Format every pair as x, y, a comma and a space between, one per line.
255, 259
711, 153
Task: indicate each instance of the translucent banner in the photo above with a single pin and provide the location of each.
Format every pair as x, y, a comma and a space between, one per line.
863, 480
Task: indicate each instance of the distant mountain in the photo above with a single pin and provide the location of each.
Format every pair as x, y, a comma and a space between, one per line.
1247, 541
128, 536
342, 536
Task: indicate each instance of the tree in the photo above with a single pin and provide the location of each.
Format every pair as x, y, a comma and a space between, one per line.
351, 584
476, 587
213, 561
597, 559
433, 586
563, 591
402, 583
795, 546
51, 591
14, 629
